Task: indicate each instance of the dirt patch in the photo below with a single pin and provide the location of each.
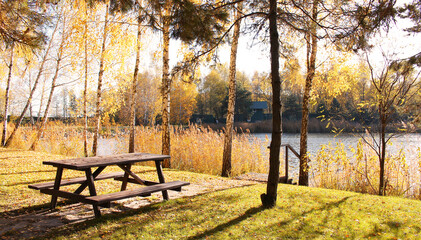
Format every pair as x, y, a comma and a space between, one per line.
37, 223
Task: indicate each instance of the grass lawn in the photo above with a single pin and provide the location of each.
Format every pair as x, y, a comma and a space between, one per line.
301, 212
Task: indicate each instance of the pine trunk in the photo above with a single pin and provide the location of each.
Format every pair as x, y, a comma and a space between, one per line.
6, 96
99, 89
134, 85
229, 128
166, 88
311, 68
269, 199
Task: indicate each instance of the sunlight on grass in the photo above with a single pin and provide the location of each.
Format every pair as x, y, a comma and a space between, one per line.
19, 168
301, 213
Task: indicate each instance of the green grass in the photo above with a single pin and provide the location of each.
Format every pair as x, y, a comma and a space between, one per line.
301, 212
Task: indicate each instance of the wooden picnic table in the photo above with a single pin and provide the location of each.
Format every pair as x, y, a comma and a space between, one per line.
99, 163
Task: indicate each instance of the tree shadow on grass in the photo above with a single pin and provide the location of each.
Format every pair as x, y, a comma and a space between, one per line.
326, 206
41, 213
222, 227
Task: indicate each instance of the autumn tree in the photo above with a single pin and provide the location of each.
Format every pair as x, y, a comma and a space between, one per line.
261, 88
183, 101
229, 128
311, 41
212, 91
21, 23
6, 97
394, 85
97, 120
189, 22
62, 19
147, 100
134, 83
111, 44
35, 84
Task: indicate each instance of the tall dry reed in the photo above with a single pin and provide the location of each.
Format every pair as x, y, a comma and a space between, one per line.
333, 168
200, 149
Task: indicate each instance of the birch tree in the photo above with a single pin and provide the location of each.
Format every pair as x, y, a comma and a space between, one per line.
34, 87
6, 95
394, 87
97, 120
229, 128
311, 43
189, 22
59, 59
134, 85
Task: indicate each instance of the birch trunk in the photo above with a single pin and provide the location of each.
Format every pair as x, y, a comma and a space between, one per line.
99, 90
85, 87
50, 97
134, 88
166, 86
31, 94
269, 199
6, 96
229, 128
311, 68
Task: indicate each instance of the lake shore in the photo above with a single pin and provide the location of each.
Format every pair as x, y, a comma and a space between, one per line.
294, 126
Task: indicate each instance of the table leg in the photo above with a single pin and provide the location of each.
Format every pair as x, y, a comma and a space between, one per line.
57, 182
92, 190
85, 184
126, 177
161, 178
132, 174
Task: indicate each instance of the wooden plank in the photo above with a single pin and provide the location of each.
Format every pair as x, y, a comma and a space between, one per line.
97, 161
292, 150
131, 180
100, 199
68, 195
71, 181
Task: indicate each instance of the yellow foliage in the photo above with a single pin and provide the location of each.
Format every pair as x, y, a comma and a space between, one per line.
183, 101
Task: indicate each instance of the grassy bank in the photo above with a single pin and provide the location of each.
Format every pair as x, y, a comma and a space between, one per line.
301, 212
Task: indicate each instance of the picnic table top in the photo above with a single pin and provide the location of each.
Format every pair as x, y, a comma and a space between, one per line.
99, 161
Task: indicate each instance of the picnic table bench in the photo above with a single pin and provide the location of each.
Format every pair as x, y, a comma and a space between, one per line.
124, 161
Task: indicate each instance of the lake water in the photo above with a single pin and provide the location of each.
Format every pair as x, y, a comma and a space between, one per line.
316, 140
409, 142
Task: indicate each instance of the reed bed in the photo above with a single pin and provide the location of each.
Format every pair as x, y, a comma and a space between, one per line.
333, 168
199, 149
